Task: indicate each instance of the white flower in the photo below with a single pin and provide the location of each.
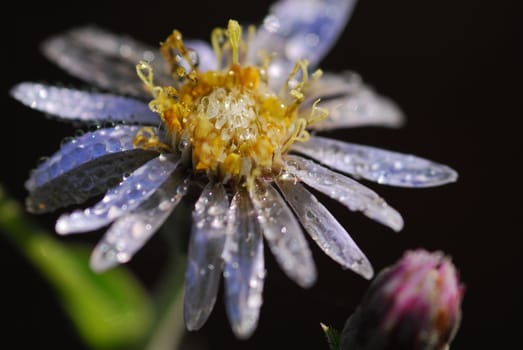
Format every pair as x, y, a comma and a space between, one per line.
231, 121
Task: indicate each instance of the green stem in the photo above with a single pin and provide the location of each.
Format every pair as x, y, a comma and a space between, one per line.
169, 329
109, 310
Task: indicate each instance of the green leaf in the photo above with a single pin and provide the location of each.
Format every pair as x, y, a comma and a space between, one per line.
110, 310
333, 336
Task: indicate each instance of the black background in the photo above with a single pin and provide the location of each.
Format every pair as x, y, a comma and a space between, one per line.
453, 66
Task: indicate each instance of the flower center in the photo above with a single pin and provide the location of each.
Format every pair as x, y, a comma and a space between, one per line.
237, 127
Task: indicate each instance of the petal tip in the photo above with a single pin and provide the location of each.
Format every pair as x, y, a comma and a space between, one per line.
192, 324
366, 270
308, 280
16, 91
103, 258
446, 174
453, 175
61, 226
244, 330
397, 222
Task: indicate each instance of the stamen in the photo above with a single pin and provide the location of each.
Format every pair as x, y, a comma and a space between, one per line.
251, 31
297, 91
217, 42
146, 75
317, 113
266, 61
297, 134
147, 139
234, 32
318, 73
173, 50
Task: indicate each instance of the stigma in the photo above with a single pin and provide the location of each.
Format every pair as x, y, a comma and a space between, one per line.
237, 127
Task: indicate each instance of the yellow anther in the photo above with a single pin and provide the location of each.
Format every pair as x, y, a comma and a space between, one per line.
173, 50
147, 139
317, 113
146, 75
266, 61
300, 65
250, 77
217, 41
251, 31
318, 73
234, 31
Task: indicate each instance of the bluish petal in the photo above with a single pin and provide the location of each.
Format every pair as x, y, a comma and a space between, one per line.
204, 259
351, 103
244, 266
104, 59
374, 164
129, 233
83, 167
324, 229
206, 58
345, 190
77, 105
284, 235
119, 200
299, 29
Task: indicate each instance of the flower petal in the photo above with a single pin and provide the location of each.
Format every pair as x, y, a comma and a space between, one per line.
324, 229
129, 233
206, 57
77, 105
244, 266
299, 29
104, 59
119, 200
204, 260
351, 103
345, 190
285, 237
374, 164
84, 167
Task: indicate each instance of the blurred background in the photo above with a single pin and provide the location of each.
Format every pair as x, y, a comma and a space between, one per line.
455, 69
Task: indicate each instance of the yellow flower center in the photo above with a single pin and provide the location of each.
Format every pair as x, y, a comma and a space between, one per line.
238, 128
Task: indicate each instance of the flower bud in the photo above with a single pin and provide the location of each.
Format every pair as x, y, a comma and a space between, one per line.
412, 305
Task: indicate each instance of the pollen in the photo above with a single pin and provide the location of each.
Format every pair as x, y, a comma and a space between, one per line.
237, 127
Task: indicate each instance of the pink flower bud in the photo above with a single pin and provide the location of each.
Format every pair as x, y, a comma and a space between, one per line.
412, 305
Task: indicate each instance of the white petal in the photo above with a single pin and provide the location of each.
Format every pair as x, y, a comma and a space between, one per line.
285, 237
84, 167
351, 103
204, 260
77, 105
119, 200
244, 266
129, 233
299, 29
324, 229
104, 59
374, 164
345, 190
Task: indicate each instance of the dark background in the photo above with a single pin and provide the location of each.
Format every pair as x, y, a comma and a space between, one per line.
453, 66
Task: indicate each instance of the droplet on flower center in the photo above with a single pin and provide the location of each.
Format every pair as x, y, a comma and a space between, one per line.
234, 112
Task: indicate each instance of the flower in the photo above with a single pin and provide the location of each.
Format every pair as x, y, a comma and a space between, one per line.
414, 304
230, 121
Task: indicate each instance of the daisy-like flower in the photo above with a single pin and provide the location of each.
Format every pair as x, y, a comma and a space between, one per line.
231, 120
